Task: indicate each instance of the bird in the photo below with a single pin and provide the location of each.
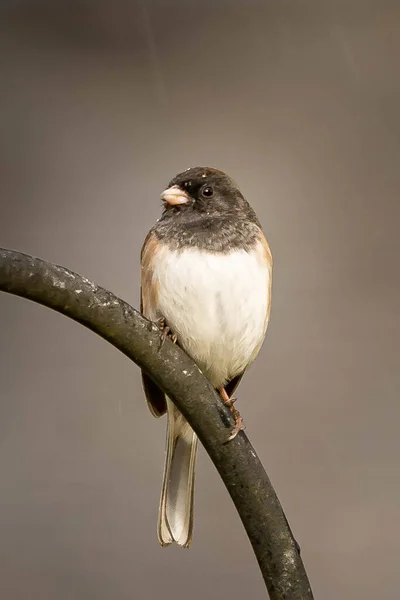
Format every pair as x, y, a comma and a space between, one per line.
206, 275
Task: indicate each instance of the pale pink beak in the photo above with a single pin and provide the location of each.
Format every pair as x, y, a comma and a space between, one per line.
174, 195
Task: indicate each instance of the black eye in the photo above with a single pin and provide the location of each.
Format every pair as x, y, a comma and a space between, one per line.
208, 192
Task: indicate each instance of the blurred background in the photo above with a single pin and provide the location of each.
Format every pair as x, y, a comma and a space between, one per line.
102, 103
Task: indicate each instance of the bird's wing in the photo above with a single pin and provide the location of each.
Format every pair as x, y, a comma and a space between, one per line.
232, 384
148, 307
267, 256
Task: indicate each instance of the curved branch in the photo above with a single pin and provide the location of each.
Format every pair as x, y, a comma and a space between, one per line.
176, 374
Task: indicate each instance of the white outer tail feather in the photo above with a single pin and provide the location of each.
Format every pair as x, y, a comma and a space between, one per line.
175, 517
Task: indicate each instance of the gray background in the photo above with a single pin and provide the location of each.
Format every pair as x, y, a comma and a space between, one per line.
101, 104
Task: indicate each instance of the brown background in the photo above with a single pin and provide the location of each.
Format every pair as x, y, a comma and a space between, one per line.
102, 103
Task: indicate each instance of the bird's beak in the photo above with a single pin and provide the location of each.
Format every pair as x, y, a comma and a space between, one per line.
175, 195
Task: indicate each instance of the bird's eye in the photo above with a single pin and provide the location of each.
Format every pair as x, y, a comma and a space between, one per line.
208, 192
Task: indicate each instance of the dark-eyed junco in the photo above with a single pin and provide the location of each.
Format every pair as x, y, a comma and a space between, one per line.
206, 273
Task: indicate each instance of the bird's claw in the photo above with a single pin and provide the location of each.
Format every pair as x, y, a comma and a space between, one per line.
160, 323
229, 402
239, 426
165, 332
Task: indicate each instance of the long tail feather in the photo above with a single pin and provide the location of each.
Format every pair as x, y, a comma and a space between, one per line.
175, 517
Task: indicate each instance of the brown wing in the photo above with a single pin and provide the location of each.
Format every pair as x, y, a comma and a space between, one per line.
148, 307
155, 397
266, 257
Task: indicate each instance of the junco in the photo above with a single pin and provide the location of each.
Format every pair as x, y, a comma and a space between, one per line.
206, 275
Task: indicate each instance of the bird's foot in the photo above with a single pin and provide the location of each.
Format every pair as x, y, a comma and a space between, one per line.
160, 323
165, 332
239, 425
230, 402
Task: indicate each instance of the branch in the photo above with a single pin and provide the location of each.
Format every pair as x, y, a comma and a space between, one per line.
177, 375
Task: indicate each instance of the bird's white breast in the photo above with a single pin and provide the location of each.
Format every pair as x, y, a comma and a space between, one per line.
217, 304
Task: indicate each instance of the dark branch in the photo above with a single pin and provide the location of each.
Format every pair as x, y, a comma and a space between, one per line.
176, 374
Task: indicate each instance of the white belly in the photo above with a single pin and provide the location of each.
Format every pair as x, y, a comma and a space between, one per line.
217, 305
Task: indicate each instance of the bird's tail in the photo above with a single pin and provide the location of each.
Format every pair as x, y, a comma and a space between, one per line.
175, 517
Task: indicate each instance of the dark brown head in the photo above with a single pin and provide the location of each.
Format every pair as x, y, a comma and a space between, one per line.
203, 207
